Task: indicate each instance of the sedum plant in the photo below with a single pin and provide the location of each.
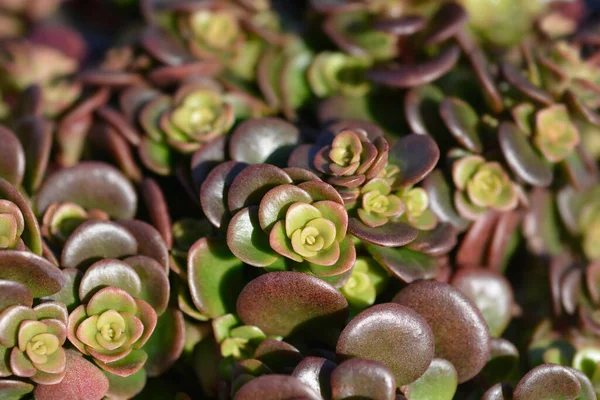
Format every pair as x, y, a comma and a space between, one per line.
246, 199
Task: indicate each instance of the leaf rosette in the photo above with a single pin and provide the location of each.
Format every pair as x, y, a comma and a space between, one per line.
338, 73
32, 341
281, 217
112, 327
482, 185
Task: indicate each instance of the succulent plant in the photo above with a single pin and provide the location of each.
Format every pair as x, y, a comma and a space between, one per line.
19, 67
307, 229
33, 342
337, 73
112, 327
220, 199
481, 186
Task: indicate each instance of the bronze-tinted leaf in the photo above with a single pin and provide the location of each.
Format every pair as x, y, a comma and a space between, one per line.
94, 240
173, 74
416, 156
150, 242
393, 335
120, 124
206, 158
514, 77
441, 200
474, 244
360, 378
500, 391
83, 381
436, 242
12, 157
401, 26
92, 185
13, 293
446, 23
251, 184
155, 282
163, 47
521, 157
461, 333
213, 193
304, 303
276, 387
548, 381
31, 235
263, 140
421, 105
463, 122
481, 68
392, 234
315, 372
109, 78
39, 275
406, 76
106, 273
405, 264
157, 208
279, 356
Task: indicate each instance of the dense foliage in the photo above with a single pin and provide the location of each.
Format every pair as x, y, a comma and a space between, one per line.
323, 199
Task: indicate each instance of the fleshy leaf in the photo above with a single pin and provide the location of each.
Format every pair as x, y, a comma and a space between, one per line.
521, 157
82, 381
92, 185
12, 158
215, 277
440, 380
247, 241
322, 306
39, 275
416, 156
109, 273
165, 345
380, 333
94, 240
263, 140
461, 334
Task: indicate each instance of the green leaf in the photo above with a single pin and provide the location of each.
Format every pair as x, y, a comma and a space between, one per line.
126, 387
247, 240
215, 277
438, 382
10, 321
408, 265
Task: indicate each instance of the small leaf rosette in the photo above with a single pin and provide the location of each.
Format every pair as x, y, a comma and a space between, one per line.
195, 115
338, 73
236, 341
368, 279
282, 216
482, 185
416, 208
212, 33
18, 70
32, 342
378, 204
12, 225
112, 327
556, 136
350, 160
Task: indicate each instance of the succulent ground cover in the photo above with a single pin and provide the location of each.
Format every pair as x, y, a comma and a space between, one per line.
318, 199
